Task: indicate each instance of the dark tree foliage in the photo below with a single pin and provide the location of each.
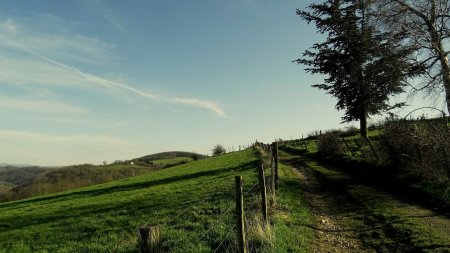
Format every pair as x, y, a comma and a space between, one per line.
218, 150
364, 67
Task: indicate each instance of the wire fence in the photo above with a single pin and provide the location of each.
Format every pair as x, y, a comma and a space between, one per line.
218, 234
367, 149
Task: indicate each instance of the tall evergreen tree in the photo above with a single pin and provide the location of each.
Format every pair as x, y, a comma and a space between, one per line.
363, 66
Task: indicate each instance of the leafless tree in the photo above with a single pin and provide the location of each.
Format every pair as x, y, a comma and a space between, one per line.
424, 25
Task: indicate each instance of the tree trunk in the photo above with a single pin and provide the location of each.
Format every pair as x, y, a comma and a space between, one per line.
440, 52
430, 18
363, 124
446, 79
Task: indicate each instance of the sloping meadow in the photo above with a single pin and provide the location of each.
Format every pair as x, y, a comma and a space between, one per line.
193, 203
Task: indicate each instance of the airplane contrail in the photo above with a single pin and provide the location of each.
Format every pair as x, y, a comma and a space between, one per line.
195, 102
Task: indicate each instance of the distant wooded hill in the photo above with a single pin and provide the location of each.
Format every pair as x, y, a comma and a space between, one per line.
168, 155
18, 183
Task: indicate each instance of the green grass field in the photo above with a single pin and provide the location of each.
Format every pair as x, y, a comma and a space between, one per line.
187, 200
171, 161
194, 203
34, 181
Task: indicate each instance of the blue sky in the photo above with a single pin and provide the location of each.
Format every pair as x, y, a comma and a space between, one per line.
92, 81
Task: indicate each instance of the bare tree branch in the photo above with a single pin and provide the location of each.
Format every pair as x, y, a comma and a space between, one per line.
426, 26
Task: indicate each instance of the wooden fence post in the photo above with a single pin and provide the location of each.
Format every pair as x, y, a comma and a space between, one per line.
275, 154
240, 215
262, 186
302, 141
272, 186
150, 239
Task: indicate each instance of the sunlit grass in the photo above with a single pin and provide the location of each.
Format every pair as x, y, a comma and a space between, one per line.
172, 161
186, 200
293, 219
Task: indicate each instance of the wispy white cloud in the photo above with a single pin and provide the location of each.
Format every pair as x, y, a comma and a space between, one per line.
8, 26
59, 42
210, 105
91, 122
61, 139
51, 71
205, 104
112, 18
26, 71
49, 149
61, 120
42, 106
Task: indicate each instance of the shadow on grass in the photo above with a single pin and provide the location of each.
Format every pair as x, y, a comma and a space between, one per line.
158, 201
382, 233
130, 186
382, 178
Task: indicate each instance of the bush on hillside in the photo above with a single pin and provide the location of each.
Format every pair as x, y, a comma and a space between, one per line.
349, 131
328, 143
218, 150
419, 148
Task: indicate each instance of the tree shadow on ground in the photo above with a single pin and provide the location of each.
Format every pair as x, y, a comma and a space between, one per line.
378, 232
128, 186
132, 206
381, 178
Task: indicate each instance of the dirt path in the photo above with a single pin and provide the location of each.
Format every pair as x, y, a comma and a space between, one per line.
354, 217
332, 211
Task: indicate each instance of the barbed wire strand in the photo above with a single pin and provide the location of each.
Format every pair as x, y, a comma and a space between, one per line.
226, 236
202, 200
251, 188
216, 221
223, 214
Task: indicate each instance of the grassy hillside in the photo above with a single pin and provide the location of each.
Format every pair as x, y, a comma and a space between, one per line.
187, 200
76, 176
17, 183
172, 161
